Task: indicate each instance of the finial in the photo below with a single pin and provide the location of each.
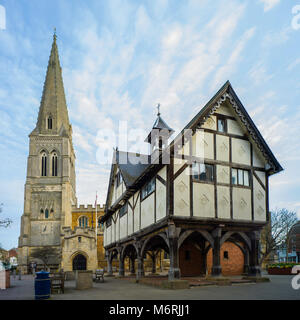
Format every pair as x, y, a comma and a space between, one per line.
158, 109
54, 35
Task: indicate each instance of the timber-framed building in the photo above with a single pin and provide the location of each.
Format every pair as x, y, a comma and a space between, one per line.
204, 206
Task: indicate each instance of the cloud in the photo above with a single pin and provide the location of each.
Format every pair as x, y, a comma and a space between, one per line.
226, 70
293, 64
269, 4
258, 74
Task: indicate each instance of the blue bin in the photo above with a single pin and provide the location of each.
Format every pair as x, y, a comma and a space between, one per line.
42, 285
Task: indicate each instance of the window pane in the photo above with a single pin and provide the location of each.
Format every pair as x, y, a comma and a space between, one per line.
195, 171
209, 172
234, 176
241, 177
221, 125
246, 178
202, 172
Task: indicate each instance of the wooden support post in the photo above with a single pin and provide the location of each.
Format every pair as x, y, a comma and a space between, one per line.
216, 267
121, 266
109, 264
140, 271
246, 261
132, 265
254, 268
174, 271
153, 257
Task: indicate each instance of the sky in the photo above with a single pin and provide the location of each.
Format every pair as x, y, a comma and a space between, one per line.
120, 58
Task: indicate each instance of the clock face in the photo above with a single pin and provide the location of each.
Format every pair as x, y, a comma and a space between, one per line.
46, 228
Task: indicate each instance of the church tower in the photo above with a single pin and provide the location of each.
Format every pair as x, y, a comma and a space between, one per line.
50, 189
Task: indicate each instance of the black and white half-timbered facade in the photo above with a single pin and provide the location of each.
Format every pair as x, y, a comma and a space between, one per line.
207, 187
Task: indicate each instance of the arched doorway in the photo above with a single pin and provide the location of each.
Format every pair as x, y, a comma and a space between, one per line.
79, 262
192, 254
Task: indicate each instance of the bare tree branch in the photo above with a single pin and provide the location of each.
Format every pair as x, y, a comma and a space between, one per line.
276, 233
4, 222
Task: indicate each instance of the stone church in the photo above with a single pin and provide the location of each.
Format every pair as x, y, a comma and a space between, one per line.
52, 220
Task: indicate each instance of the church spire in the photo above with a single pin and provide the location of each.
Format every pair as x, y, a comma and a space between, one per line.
53, 114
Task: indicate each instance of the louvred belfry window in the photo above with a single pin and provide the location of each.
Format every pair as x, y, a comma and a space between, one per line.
54, 165
49, 123
44, 165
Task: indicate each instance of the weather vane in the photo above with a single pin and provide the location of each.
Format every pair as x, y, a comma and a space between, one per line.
158, 109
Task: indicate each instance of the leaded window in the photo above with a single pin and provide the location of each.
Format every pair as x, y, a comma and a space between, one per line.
203, 172
83, 222
123, 210
240, 177
148, 188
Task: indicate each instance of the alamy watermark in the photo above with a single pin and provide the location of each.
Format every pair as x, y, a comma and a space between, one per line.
2, 18
295, 280
157, 141
296, 19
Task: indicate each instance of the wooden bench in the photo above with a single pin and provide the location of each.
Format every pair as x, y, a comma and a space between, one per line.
57, 282
99, 275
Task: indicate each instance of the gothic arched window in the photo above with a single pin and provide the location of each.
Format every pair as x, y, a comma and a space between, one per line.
46, 213
49, 122
54, 165
100, 225
44, 164
83, 222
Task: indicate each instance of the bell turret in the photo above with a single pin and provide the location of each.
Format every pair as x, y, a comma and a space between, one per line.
159, 134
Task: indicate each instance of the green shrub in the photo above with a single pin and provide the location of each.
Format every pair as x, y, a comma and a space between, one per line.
282, 265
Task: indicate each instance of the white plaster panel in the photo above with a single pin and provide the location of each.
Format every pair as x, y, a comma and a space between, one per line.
262, 176
241, 203
123, 226
119, 191
210, 123
222, 147
241, 151
136, 213
223, 174
226, 110
223, 196
108, 235
160, 200
178, 163
147, 211
130, 221
185, 149
163, 173
113, 231
204, 200
182, 194
234, 127
259, 201
258, 160
118, 228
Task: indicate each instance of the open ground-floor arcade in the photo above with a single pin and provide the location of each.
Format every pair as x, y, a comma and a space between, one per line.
194, 249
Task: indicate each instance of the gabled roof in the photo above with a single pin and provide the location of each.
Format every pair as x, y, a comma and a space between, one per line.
132, 173
131, 165
227, 92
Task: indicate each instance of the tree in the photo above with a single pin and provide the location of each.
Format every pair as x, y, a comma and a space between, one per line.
277, 231
46, 254
4, 222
